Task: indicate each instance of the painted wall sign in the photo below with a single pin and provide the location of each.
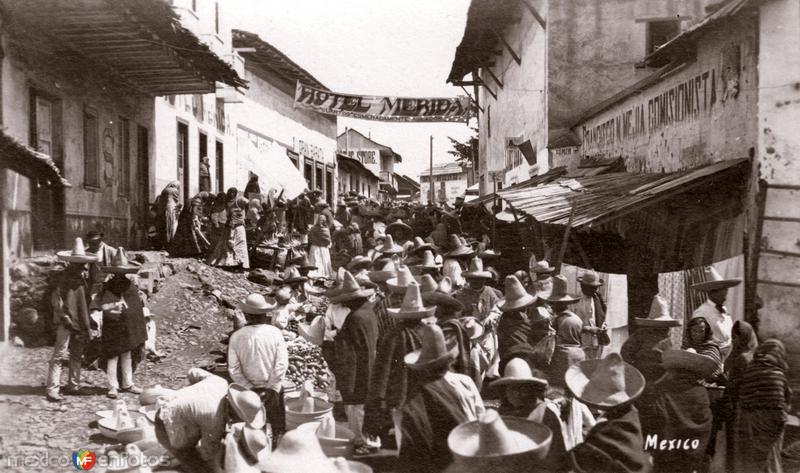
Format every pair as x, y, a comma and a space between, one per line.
394, 109
366, 156
681, 102
305, 148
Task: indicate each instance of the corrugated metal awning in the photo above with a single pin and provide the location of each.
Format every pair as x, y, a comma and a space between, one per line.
138, 45
28, 162
600, 198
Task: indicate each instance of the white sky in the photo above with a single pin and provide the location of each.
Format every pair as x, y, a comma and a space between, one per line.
371, 47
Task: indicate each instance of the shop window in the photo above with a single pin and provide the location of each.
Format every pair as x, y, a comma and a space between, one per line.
91, 148
318, 178
513, 156
660, 32
124, 151
308, 173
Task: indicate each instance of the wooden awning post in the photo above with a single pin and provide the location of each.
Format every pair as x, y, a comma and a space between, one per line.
563, 250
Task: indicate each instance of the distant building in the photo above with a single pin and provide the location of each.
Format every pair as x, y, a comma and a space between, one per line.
407, 188
378, 158
272, 136
353, 176
449, 181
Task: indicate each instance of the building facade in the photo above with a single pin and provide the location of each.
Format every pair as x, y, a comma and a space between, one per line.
271, 132
354, 177
378, 158
450, 181
547, 63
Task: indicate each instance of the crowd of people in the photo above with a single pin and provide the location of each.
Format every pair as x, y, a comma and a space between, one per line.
420, 329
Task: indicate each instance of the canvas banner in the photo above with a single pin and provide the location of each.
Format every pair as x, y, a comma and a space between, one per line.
391, 109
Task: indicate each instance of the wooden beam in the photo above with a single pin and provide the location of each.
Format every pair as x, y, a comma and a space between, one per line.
472, 99
535, 14
494, 77
507, 46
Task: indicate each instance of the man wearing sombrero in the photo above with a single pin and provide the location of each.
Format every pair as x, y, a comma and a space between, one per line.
591, 308
71, 320
104, 253
713, 309
258, 359
124, 326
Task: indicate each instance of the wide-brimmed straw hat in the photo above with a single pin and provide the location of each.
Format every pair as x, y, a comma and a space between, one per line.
473, 326
434, 353
412, 306
714, 280
398, 224
350, 290
387, 271
542, 267
488, 254
247, 405
445, 303
94, 235
389, 247
306, 264
399, 283
359, 262
120, 264
458, 247
428, 261
293, 276
299, 451
559, 292
445, 285
605, 383
254, 440
476, 270
516, 297
498, 444
590, 278
518, 372
255, 304
77, 254
426, 283
689, 360
659, 315
420, 245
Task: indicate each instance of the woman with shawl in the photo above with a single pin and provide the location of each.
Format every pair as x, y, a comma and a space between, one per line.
700, 339
763, 396
231, 249
251, 220
168, 211
319, 242
568, 349
189, 240
439, 235
218, 219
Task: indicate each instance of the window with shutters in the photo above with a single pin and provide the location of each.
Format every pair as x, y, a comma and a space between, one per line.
91, 148
124, 153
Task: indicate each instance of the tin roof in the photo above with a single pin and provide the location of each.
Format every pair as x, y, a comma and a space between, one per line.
345, 160
270, 57
137, 45
600, 198
28, 162
441, 169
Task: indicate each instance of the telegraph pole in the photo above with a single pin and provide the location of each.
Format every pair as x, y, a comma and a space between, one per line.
430, 176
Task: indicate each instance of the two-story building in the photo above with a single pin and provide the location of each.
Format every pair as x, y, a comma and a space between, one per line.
287, 147
449, 182
536, 65
378, 158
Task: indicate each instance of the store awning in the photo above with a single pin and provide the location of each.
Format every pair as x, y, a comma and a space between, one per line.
601, 198
29, 162
347, 161
135, 45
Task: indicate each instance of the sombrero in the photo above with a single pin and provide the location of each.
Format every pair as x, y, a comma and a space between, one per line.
120, 264
412, 306
293, 276
434, 353
559, 292
428, 261
476, 270
420, 245
498, 444
350, 290
77, 254
445, 285
247, 405
306, 264
458, 248
299, 451
518, 372
659, 315
387, 271
685, 360
398, 284
713, 280
448, 304
542, 267
474, 328
590, 278
605, 383
426, 283
516, 297
313, 332
487, 254
255, 304
359, 262
389, 247
399, 224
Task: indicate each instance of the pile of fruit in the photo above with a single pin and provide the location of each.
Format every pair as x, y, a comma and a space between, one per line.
306, 363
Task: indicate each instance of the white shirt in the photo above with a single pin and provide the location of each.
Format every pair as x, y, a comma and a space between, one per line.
721, 323
257, 357
468, 394
335, 317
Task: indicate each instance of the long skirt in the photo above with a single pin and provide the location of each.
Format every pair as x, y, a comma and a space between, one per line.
171, 223
320, 256
758, 441
231, 249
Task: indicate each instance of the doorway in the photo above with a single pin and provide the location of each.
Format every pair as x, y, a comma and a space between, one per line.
220, 167
183, 159
143, 167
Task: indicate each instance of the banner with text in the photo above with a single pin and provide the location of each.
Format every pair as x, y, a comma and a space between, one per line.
392, 109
